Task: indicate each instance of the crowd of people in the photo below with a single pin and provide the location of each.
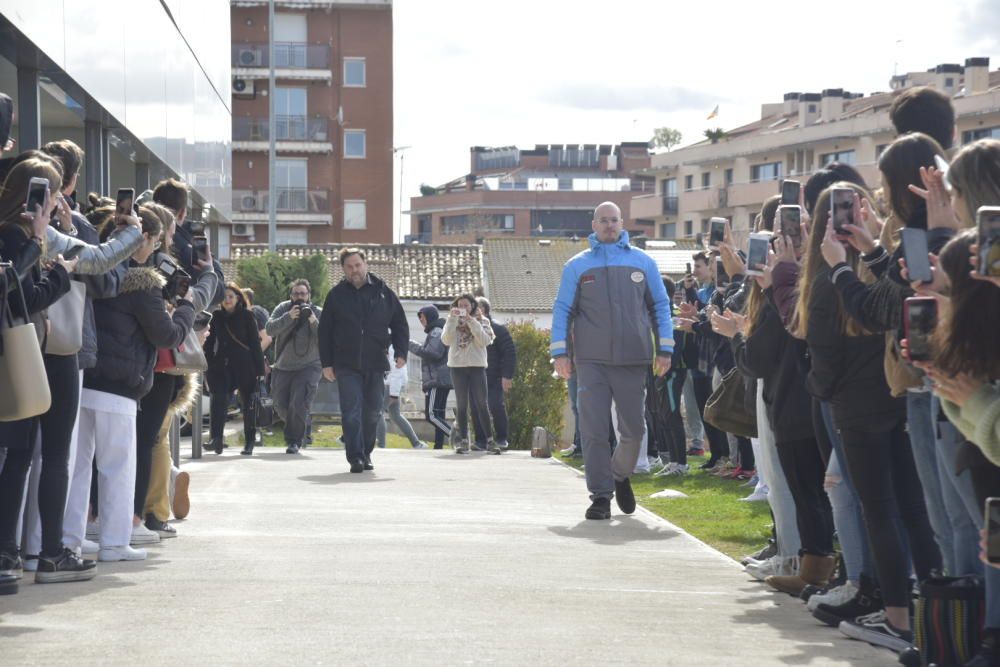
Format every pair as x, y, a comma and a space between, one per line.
129, 317
864, 400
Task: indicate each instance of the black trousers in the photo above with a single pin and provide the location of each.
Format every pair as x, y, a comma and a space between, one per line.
57, 434
673, 443
220, 403
747, 461
885, 476
13, 477
148, 421
435, 402
717, 441
803, 468
498, 410
470, 390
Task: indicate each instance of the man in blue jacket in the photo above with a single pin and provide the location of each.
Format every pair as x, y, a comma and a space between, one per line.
614, 311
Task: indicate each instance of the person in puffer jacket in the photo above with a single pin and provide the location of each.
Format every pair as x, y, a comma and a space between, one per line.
434, 372
467, 333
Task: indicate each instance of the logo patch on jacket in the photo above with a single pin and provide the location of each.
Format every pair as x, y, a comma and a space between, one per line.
637, 276
586, 280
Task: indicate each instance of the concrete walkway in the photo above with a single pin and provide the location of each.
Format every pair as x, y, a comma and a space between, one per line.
433, 559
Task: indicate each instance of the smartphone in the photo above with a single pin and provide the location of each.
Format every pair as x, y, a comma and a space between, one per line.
717, 232
842, 210
988, 224
790, 223
993, 530
199, 247
920, 317
757, 254
721, 277
37, 189
918, 265
124, 201
687, 269
790, 192
73, 252
457, 312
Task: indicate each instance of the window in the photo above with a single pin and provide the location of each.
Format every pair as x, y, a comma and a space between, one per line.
706, 180
354, 215
668, 230
704, 225
843, 157
729, 176
689, 228
355, 75
292, 237
811, 108
290, 27
354, 143
949, 82
982, 133
290, 106
770, 171
669, 187
688, 183
291, 184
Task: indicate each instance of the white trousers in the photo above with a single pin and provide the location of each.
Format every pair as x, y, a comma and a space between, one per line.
107, 436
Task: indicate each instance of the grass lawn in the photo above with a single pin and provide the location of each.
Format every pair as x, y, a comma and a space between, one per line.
712, 512
324, 435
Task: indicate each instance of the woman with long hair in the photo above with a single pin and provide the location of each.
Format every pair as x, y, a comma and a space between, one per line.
467, 334
848, 371
235, 362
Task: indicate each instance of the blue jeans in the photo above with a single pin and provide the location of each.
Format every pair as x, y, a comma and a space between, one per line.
360, 410
920, 425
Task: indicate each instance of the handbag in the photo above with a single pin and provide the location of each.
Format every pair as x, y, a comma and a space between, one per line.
263, 408
726, 407
66, 317
949, 619
189, 357
24, 386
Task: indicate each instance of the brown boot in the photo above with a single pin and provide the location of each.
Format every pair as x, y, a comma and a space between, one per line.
815, 570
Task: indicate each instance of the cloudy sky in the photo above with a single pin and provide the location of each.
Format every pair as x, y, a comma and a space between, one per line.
526, 72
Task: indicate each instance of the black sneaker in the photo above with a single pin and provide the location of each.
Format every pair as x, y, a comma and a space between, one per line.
8, 584
357, 466
10, 563
624, 496
292, 449
599, 510
876, 629
770, 550
867, 601
67, 566
161, 528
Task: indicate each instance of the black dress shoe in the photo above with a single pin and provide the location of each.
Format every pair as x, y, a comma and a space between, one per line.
246, 451
217, 446
8, 584
357, 466
599, 510
369, 465
624, 496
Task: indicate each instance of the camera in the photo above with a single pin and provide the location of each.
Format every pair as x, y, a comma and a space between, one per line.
178, 280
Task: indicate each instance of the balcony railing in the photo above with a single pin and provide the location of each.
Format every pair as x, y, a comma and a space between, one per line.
669, 205
287, 55
287, 128
290, 200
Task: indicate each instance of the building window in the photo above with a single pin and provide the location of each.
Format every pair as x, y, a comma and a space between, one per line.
704, 226
668, 230
843, 157
706, 180
290, 106
689, 183
982, 133
354, 143
729, 176
355, 75
949, 82
291, 184
689, 228
669, 187
355, 216
811, 108
292, 236
770, 171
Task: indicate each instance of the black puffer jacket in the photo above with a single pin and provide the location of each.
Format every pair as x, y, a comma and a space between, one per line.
501, 355
434, 371
358, 325
101, 286
132, 326
233, 342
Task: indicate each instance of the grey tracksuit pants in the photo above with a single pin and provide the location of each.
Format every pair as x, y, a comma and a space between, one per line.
598, 384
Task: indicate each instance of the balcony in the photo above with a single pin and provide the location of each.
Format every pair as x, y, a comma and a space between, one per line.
292, 134
292, 60
752, 194
298, 205
701, 200
653, 206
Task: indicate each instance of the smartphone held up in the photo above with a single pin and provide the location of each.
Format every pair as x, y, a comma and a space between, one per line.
757, 254
38, 189
920, 317
988, 225
790, 223
790, 192
842, 210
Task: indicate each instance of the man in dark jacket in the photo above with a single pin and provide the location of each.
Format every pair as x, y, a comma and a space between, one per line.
361, 317
434, 373
501, 366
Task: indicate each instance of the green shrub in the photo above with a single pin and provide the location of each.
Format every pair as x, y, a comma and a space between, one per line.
537, 398
270, 274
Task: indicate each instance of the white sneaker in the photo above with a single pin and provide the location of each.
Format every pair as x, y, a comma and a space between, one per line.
94, 530
143, 535
90, 548
667, 467
678, 470
30, 563
833, 597
757, 496
774, 566
115, 554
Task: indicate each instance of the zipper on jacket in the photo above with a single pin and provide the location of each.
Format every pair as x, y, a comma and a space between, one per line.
611, 323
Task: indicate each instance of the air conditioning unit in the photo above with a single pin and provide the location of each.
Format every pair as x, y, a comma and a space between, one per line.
250, 57
248, 202
241, 229
244, 87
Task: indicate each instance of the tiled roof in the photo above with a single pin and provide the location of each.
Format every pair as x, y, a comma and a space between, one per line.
523, 273
672, 260
418, 272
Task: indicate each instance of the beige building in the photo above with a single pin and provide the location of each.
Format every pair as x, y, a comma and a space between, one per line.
732, 177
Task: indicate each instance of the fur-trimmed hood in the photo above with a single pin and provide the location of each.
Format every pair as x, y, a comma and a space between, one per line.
141, 279
186, 396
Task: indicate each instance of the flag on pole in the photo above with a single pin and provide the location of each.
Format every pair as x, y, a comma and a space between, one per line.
715, 112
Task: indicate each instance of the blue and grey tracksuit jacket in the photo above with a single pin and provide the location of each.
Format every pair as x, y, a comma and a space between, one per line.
611, 298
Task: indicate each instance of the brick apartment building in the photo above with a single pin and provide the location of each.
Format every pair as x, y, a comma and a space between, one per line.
732, 177
550, 190
333, 120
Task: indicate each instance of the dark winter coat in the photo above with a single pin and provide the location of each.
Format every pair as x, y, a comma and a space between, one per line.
233, 343
434, 371
357, 326
100, 286
133, 325
501, 355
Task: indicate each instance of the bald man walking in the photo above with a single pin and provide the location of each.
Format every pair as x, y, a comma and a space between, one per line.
611, 320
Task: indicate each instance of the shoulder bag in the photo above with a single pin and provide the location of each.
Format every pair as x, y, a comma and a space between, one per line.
66, 321
24, 386
726, 409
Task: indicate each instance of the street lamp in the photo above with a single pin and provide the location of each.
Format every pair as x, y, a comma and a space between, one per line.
401, 150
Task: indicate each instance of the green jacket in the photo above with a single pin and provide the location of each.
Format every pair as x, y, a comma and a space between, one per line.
979, 420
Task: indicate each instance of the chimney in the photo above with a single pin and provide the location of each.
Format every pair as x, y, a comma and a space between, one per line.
977, 75
808, 108
791, 103
832, 104
947, 77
